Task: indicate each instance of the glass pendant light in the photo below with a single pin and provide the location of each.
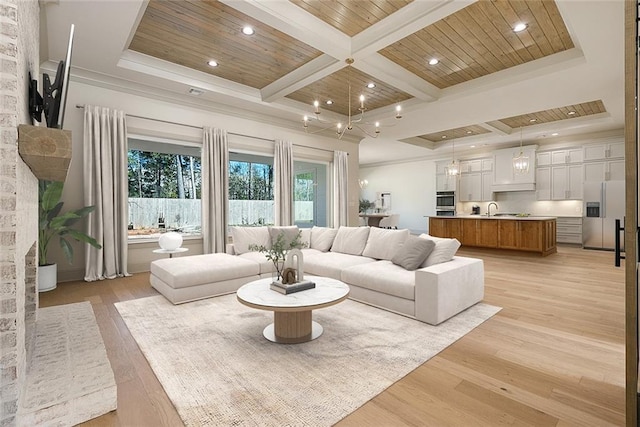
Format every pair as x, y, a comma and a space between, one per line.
453, 169
521, 162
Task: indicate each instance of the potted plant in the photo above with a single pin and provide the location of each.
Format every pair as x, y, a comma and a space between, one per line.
52, 223
365, 205
277, 253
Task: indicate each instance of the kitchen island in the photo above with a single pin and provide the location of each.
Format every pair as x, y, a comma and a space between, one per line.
528, 233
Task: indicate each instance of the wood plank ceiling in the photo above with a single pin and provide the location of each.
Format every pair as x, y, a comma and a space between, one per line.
473, 42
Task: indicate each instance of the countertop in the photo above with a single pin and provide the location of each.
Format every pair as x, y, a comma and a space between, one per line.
519, 218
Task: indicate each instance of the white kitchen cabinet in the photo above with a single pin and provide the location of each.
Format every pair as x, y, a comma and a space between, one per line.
614, 150
441, 167
470, 166
568, 156
505, 178
566, 182
487, 186
611, 170
445, 183
569, 230
543, 183
543, 158
470, 187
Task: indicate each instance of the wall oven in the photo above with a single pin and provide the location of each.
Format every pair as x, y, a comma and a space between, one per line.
445, 203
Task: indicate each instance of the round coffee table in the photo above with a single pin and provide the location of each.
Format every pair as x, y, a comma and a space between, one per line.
292, 322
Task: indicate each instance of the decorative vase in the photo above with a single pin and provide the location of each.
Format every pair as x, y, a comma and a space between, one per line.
170, 241
276, 273
47, 277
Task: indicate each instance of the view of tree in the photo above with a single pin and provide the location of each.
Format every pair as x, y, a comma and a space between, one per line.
159, 175
250, 181
304, 187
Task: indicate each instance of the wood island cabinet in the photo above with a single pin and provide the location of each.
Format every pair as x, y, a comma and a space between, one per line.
531, 235
452, 228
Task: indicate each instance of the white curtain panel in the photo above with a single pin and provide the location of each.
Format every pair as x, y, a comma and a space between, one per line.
283, 192
215, 187
340, 186
106, 188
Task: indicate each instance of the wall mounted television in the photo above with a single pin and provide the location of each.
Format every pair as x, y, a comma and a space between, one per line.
54, 95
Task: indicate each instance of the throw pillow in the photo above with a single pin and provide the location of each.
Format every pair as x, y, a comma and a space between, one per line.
245, 236
322, 238
384, 244
413, 253
350, 240
290, 233
444, 251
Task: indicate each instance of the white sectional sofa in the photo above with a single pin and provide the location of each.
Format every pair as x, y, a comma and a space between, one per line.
365, 258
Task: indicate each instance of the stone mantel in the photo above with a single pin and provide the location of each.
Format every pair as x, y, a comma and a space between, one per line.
47, 151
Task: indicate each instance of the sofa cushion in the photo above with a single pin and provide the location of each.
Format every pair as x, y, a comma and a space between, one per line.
243, 237
266, 266
382, 276
331, 264
413, 252
322, 238
305, 237
289, 232
444, 250
350, 240
195, 270
383, 244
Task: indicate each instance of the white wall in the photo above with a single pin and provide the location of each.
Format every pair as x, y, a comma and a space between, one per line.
84, 94
412, 186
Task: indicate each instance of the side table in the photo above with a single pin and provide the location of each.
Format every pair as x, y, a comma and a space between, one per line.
170, 251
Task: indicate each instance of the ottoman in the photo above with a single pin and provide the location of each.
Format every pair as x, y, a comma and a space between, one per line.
195, 277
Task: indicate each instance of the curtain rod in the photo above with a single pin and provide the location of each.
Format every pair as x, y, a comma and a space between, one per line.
201, 127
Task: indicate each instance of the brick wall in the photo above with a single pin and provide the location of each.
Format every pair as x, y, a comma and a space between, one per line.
19, 54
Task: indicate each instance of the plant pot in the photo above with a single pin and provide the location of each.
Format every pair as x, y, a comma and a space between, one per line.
47, 277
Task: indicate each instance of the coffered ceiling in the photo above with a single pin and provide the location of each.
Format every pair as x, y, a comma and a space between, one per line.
489, 80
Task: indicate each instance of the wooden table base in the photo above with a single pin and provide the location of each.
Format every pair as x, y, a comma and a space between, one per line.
292, 327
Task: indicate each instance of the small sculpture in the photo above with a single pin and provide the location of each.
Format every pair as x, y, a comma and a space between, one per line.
289, 276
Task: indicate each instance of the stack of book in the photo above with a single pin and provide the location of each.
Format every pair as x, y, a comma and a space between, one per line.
294, 287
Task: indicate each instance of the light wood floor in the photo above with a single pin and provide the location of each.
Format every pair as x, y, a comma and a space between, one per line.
554, 355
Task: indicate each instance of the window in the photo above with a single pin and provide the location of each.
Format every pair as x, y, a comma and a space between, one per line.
250, 190
164, 189
310, 194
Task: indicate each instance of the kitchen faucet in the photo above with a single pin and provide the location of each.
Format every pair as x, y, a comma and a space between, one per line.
489, 208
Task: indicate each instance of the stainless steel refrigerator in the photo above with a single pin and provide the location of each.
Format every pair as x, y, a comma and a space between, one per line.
603, 204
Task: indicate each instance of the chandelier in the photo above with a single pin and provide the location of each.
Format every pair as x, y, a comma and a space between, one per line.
453, 169
521, 162
370, 129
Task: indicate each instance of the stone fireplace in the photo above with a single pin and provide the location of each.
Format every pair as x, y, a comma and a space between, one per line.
18, 203
54, 368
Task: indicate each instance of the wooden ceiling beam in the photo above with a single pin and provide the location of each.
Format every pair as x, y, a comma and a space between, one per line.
381, 68
297, 23
310, 72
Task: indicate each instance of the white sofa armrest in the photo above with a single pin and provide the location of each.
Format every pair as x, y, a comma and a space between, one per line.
230, 249
444, 290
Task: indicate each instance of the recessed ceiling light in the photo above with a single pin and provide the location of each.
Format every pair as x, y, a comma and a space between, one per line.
433, 61
329, 102
571, 113
444, 136
247, 30
555, 134
371, 85
533, 120
469, 132
520, 26
473, 146
212, 63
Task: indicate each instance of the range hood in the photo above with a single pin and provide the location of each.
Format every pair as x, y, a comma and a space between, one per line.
505, 178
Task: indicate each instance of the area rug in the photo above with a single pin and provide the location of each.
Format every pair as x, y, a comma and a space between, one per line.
218, 369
